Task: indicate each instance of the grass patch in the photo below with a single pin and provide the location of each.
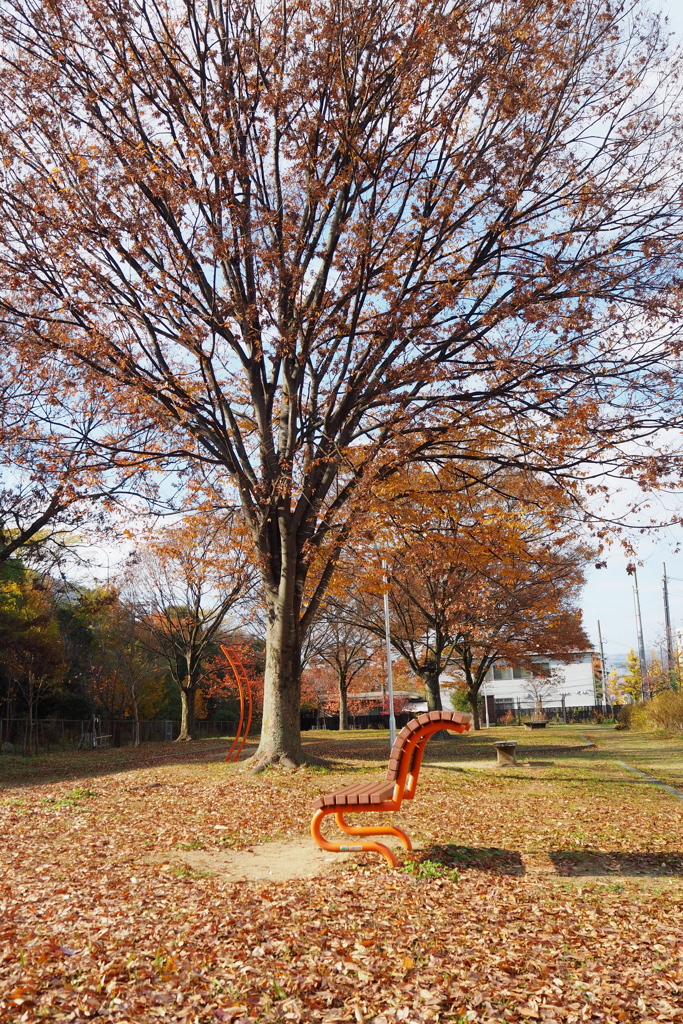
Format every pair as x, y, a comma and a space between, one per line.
71, 799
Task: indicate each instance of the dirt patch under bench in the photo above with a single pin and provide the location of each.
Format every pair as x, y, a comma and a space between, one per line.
276, 861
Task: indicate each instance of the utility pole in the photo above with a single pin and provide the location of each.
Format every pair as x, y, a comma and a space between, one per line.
390, 679
639, 628
667, 624
605, 693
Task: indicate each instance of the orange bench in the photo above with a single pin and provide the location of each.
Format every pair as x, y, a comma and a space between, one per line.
389, 793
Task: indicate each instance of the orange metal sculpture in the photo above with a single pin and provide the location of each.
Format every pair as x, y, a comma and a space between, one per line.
244, 689
387, 794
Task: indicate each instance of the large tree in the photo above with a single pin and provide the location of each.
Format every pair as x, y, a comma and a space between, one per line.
316, 237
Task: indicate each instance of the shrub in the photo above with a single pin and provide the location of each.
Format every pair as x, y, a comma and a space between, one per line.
624, 716
632, 716
665, 711
508, 718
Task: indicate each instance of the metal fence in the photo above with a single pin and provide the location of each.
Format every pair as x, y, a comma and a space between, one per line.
523, 710
319, 720
64, 734
520, 712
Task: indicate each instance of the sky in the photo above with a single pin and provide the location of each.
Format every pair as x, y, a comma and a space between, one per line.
608, 598
608, 595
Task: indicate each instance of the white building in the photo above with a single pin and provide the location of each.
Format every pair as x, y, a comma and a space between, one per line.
514, 688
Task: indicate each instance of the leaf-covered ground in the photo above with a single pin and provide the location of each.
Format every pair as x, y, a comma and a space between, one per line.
551, 891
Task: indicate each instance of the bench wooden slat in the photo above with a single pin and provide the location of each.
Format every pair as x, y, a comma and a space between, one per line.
358, 795
369, 792
330, 799
384, 792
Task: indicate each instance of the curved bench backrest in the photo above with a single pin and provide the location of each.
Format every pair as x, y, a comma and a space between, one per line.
406, 754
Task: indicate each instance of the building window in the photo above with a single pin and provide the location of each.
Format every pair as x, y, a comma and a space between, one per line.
509, 672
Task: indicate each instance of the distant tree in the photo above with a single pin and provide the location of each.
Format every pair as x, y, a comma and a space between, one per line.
632, 680
365, 693
31, 652
656, 677
187, 579
347, 648
541, 689
218, 684
106, 661
614, 692
124, 675
474, 576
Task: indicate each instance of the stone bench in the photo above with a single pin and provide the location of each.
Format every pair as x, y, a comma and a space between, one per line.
506, 752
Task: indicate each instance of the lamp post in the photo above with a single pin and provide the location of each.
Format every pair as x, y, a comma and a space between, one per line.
106, 554
669, 634
603, 673
387, 637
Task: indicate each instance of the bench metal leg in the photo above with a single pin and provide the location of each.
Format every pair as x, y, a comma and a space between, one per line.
324, 844
370, 830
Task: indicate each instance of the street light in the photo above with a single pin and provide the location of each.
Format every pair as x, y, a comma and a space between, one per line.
106, 554
387, 637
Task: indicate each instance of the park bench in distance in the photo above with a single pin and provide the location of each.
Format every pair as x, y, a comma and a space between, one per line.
386, 794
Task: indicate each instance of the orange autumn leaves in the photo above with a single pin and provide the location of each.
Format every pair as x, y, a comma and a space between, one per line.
104, 917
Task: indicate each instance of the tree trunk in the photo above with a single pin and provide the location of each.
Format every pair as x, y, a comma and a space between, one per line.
343, 707
136, 716
281, 724
432, 691
187, 696
473, 698
434, 702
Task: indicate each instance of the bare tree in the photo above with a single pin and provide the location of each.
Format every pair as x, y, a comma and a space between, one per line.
67, 458
542, 688
347, 647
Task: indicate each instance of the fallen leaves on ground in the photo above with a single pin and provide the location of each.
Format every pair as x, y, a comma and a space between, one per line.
96, 926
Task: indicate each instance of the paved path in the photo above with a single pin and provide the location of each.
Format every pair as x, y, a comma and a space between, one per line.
649, 778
